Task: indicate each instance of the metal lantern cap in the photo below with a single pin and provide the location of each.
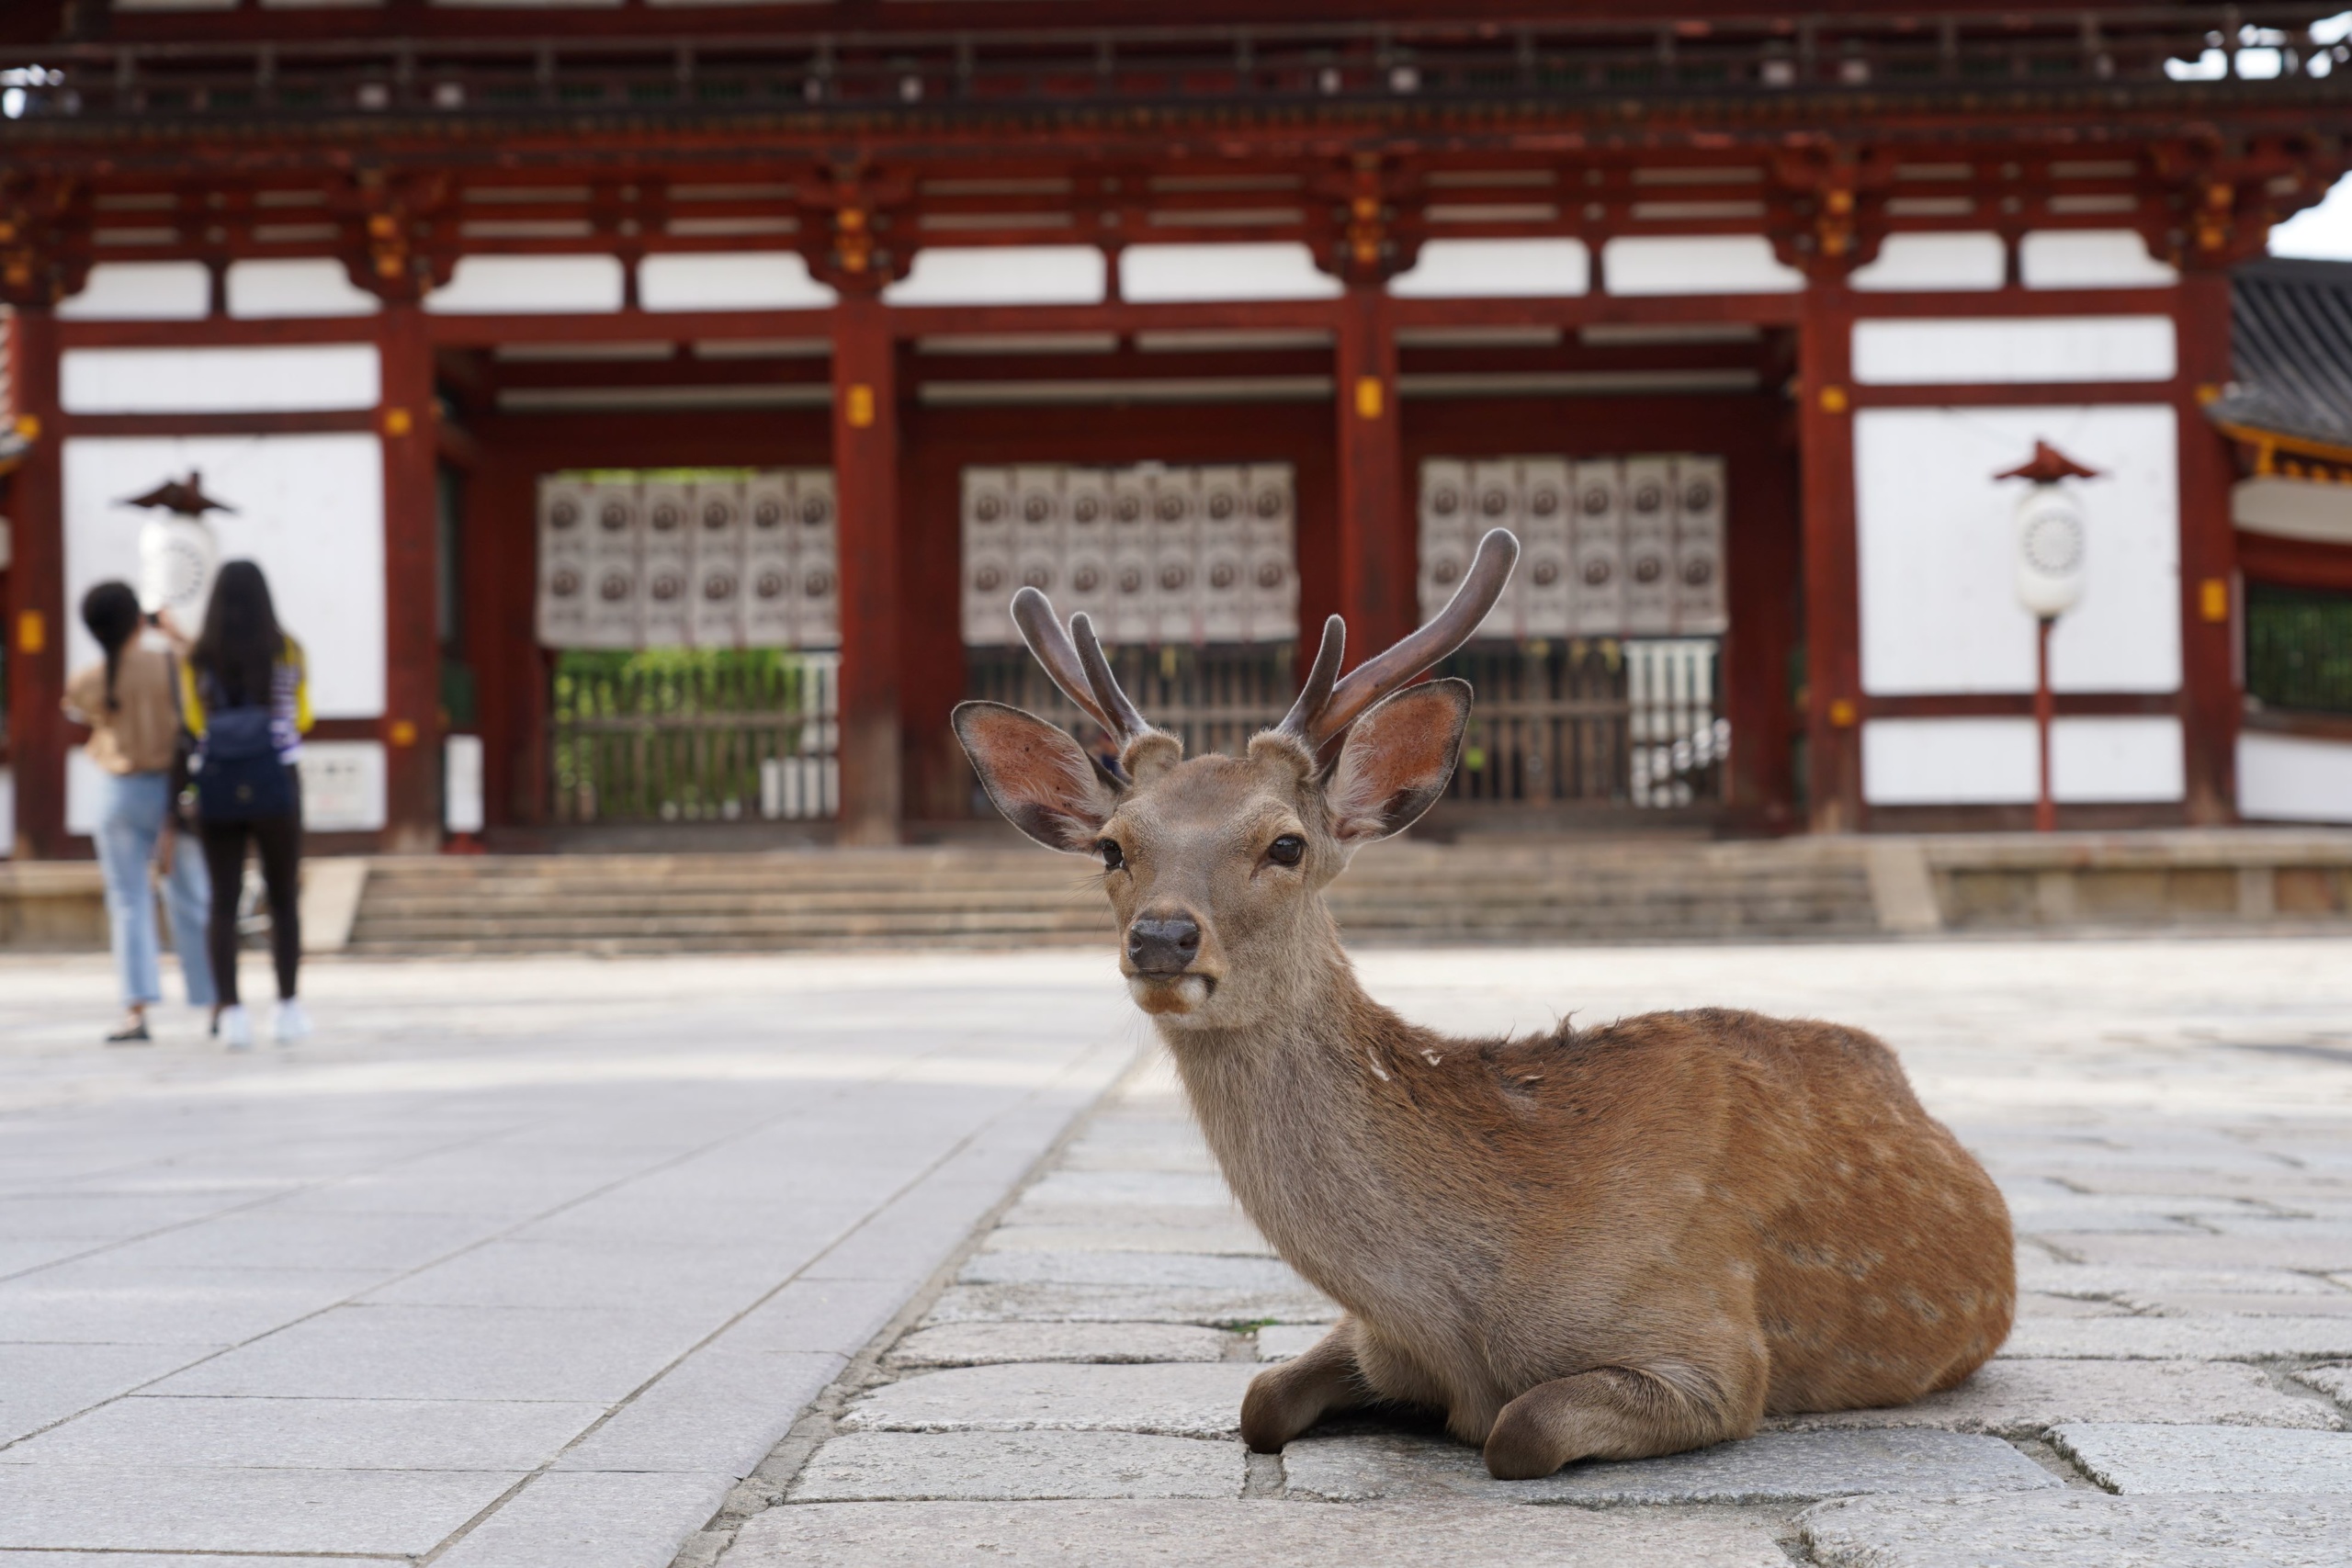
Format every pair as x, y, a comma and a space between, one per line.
186, 498
2048, 466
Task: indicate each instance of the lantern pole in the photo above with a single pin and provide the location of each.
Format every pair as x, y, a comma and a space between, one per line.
2049, 584
2045, 707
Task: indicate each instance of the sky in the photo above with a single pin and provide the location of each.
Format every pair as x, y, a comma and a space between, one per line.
2323, 231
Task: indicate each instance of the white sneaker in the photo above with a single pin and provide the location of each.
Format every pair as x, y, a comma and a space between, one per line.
292, 1023
236, 1028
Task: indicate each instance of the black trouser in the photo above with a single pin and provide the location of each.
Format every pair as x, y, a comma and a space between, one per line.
279, 840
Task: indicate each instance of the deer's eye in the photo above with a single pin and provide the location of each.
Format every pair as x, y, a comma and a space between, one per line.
1288, 849
1113, 856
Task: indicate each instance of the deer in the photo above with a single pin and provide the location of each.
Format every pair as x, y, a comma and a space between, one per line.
1611, 1241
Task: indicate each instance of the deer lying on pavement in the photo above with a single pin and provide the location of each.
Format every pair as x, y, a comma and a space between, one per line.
1604, 1242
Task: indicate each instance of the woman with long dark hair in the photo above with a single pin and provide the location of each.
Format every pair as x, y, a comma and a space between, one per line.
247, 694
130, 701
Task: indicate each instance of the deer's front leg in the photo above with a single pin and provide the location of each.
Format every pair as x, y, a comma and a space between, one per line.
1285, 1400
1607, 1413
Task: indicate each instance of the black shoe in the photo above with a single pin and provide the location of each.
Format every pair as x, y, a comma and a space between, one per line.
134, 1035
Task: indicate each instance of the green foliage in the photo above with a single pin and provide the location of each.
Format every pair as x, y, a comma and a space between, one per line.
2299, 647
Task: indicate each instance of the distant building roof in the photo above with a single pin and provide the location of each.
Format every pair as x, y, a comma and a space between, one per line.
2292, 352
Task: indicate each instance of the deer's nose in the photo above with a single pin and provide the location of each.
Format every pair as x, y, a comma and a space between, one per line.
1164, 944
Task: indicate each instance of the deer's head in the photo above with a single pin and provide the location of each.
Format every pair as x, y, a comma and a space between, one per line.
1215, 864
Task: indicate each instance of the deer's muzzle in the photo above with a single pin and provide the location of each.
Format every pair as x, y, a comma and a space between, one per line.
1164, 944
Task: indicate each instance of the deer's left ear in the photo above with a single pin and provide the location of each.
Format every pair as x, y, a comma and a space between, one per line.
1397, 761
1041, 779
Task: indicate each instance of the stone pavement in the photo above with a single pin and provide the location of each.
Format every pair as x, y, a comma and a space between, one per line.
516, 1263
2169, 1120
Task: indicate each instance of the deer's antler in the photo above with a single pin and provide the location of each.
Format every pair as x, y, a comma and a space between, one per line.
1324, 709
1077, 667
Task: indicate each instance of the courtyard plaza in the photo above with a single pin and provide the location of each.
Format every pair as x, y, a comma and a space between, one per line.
870, 1260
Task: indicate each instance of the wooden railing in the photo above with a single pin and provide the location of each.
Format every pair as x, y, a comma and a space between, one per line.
695, 736
1463, 60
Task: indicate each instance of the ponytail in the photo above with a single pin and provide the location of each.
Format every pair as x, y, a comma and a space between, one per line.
111, 611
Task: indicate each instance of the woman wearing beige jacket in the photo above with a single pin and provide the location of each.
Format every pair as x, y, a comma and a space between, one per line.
131, 701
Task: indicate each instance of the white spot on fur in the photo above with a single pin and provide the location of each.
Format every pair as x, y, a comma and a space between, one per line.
1431, 1057
1375, 1066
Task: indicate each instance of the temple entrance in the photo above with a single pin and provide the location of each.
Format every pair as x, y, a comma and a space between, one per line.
690, 614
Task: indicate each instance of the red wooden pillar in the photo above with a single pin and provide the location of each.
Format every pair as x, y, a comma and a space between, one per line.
1379, 578
2209, 701
865, 480
1832, 589
411, 728
36, 608
1763, 558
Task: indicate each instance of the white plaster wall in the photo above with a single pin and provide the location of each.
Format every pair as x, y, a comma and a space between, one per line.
327, 376
1949, 762
2293, 778
1496, 269
296, 286
1997, 761
309, 509
7, 812
1696, 264
498, 286
2090, 258
2138, 758
747, 280
2293, 509
1933, 538
1003, 274
1158, 275
1983, 351
141, 291
1936, 261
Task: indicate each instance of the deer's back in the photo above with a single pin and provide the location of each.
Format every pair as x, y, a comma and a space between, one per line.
1682, 1159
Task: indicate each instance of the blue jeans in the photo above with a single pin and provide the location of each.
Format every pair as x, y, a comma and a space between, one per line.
129, 823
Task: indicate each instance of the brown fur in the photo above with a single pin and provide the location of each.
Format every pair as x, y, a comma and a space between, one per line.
1606, 1243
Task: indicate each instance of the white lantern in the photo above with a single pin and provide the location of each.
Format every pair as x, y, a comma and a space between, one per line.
2051, 543
178, 559
2050, 540
178, 553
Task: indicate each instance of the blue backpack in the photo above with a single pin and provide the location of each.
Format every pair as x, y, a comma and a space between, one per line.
238, 775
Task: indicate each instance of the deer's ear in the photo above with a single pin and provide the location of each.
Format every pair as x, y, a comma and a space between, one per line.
1397, 761
1041, 779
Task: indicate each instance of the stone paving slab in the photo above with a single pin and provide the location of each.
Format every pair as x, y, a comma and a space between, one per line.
1243, 1276
2334, 1381
97, 1509
863, 1467
2215, 1304
1177, 1534
986, 1344
2080, 1529
2137, 1459
1201, 1189
1188, 1400
2039, 1274
2025, 1398
1235, 1239
600, 1519
1123, 1303
147, 1432
1779, 1467
2179, 1338
1281, 1341
2286, 1248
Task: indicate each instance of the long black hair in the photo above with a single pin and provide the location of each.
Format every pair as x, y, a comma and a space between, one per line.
241, 640
111, 611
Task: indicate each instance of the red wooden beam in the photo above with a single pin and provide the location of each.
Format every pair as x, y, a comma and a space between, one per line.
36, 595
411, 727
1832, 588
2211, 704
865, 477
1378, 581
